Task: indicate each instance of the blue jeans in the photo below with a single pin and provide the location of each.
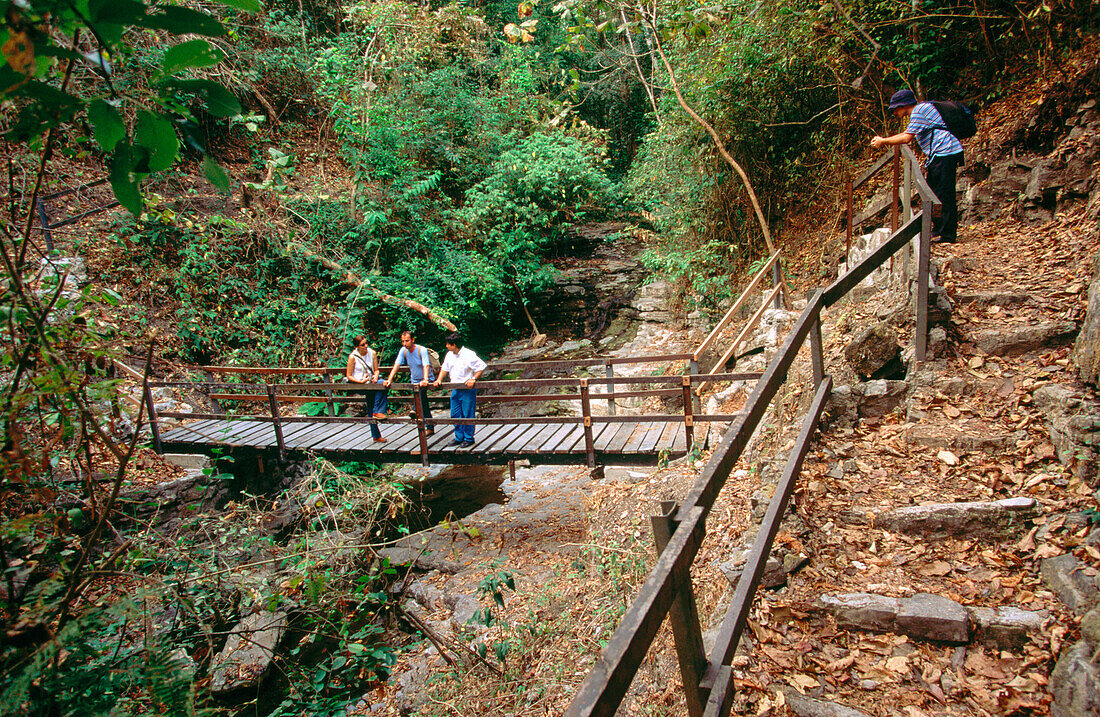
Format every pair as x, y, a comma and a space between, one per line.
381, 399
463, 405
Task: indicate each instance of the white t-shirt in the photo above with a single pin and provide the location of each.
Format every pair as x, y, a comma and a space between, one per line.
364, 365
462, 366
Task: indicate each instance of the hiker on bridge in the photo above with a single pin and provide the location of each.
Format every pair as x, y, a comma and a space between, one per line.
363, 368
420, 371
943, 150
465, 367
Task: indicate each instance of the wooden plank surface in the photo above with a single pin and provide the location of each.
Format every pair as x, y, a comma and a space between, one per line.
558, 436
617, 444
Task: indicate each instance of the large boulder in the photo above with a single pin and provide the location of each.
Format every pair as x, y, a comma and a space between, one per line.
875, 353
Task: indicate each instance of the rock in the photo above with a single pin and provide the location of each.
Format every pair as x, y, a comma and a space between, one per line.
946, 519
465, 609
933, 617
875, 353
862, 610
1006, 627
964, 439
1075, 584
881, 397
1075, 683
1090, 628
1074, 422
1086, 350
809, 707
1023, 339
993, 298
187, 460
248, 653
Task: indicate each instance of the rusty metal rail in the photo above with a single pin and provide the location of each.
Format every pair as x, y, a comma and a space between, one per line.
679, 531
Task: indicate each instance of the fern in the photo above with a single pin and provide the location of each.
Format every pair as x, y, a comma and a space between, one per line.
421, 187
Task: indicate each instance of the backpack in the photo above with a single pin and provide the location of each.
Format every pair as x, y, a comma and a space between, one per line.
958, 119
433, 359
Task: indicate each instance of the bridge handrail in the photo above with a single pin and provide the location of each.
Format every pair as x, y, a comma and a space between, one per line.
679, 532
491, 365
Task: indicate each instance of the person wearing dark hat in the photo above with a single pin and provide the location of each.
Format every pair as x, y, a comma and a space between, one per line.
943, 150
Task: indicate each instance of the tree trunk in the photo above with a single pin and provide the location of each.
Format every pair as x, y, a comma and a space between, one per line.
352, 280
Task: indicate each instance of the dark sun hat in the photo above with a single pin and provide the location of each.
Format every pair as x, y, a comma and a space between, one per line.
902, 98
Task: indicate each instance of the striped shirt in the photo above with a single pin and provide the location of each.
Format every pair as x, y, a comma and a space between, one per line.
927, 126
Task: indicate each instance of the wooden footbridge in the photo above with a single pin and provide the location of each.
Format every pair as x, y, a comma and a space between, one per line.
247, 415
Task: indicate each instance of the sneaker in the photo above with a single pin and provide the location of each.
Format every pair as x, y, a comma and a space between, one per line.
457, 442
430, 432
468, 442
380, 440
941, 240
378, 416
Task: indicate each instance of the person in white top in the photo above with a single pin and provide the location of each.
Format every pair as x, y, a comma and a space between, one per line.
463, 366
363, 368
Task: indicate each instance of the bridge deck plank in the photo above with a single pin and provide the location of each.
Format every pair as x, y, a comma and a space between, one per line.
629, 440
558, 436
618, 443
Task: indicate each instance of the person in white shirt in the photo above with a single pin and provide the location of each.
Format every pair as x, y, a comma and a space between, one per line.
463, 366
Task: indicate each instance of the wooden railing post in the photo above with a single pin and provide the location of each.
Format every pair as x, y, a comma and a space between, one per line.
896, 189
907, 192
689, 429
154, 429
683, 616
275, 421
609, 371
418, 404
696, 402
817, 348
215, 404
924, 250
848, 224
330, 407
777, 280
586, 413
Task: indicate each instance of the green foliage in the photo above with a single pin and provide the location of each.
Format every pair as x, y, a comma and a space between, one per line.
137, 128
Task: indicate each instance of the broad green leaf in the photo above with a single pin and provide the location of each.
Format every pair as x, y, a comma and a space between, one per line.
220, 102
50, 107
215, 174
107, 125
155, 133
182, 20
115, 12
188, 55
246, 5
123, 181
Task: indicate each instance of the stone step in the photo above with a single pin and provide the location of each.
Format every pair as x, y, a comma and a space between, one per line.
960, 519
992, 298
1076, 584
187, 461
963, 437
1024, 339
935, 618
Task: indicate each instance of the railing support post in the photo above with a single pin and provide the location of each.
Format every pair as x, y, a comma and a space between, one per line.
586, 414
848, 223
817, 348
215, 404
330, 408
696, 402
689, 429
777, 279
275, 421
907, 192
609, 371
418, 403
924, 249
683, 616
154, 429
896, 189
